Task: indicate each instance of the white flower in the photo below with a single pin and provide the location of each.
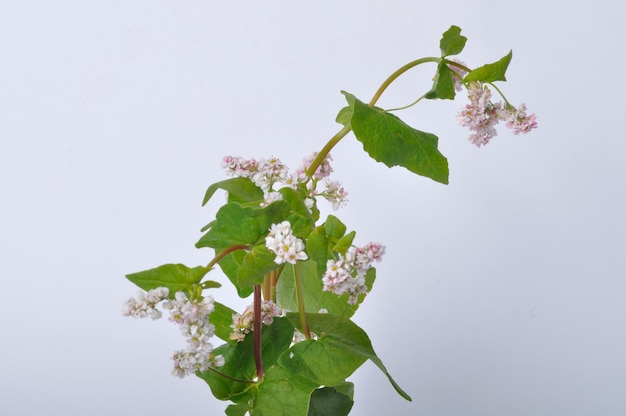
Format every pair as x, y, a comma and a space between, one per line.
284, 244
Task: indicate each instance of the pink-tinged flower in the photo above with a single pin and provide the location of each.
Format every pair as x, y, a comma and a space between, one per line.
323, 170
145, 303
243, 323
335, 194
192, 317
519, 122
347, 273
480, 115
239, 167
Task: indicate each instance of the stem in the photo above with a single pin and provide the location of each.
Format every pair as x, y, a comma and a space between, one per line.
326, 150
267, 286
223, 254
346, 129
257, 325
273, 281
458, 65
300, 295
501, 95
396, 74
409, 105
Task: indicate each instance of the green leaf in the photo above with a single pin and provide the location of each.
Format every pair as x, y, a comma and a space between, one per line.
344, 243
222, 319
255, 265
332, 400
300, 217
175, 277
283, 394
344, 116
230, 265
389, 140
443, 85
335, 229
341, 348
452, 43
236, 225
239, 409
491, 72
239, 360
317, 247
240, 190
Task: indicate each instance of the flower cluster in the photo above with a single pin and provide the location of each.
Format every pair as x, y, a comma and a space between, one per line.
242, 323
287, 247
268, 173
347, 274
192, 316
481, 115
144, 304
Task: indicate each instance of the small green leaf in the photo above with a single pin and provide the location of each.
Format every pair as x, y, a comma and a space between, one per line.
332, 401
452, 43
230, 265
238, 409
239, 190
389, 140
317, 247
256, 263
344, 243
335, 229
443, 85
491, 72
344, 116
300, 217
175, 277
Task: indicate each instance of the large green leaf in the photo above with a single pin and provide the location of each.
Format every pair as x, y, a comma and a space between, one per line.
491, 72
239, 360
238, 225
175, 277
335, 401
452, 42
340, 349
389, 140
239, 190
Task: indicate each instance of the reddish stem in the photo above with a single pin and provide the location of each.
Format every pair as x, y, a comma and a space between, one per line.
257, 328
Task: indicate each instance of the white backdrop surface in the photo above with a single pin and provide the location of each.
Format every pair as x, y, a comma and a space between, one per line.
502, 293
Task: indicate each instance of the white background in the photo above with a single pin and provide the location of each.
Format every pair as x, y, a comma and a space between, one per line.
502, 293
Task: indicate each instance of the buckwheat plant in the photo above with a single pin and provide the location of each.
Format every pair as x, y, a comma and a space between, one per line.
291, 351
